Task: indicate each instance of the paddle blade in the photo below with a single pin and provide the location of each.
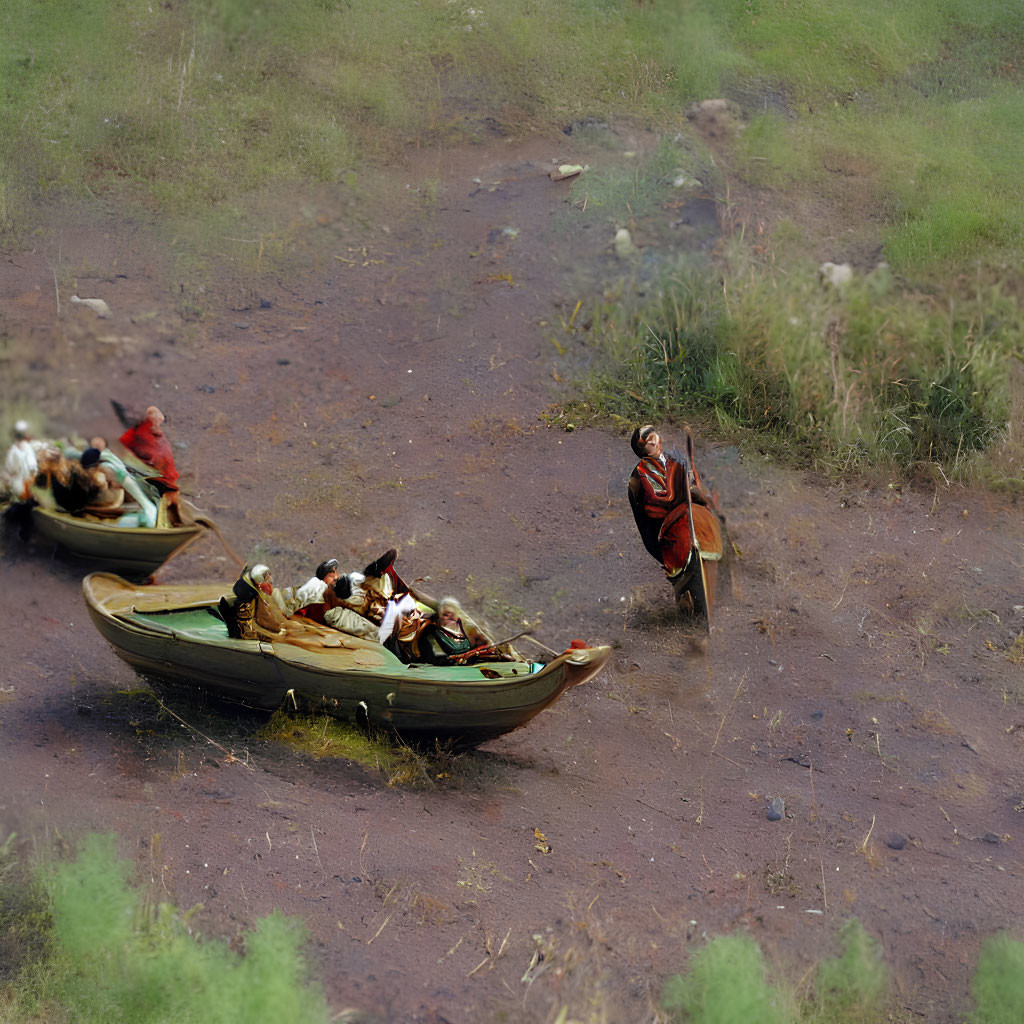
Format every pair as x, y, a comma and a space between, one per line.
702, 593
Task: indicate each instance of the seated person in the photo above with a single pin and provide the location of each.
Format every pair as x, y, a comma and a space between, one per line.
110, 473
339, 615
374, 587
311, 599
248, 611
401, 629
445, 639
438, 638
63, 484
147, 441
111, 493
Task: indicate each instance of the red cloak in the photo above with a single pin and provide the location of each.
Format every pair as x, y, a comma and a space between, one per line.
657, 495
154, 449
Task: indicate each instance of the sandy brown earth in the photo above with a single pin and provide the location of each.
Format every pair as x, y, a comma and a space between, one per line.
861, 668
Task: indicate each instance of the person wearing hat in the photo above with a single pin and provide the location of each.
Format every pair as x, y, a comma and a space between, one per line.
312, 599
248, 611
360, 599
658, 497
21, 464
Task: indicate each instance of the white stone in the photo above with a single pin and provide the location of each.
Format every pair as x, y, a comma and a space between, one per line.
837, 275
624, 247
98, 306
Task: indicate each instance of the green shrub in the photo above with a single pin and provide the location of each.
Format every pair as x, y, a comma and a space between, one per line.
725, 985
852, 988
998, 985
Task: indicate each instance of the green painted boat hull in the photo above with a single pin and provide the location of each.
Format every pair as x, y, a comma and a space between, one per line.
137, 551
174, 633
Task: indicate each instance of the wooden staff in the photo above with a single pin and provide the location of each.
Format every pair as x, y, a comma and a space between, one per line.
695, 546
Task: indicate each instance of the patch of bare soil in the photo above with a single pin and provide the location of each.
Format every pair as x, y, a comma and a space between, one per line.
860, 669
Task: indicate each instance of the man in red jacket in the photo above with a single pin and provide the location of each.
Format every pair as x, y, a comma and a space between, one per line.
149, 443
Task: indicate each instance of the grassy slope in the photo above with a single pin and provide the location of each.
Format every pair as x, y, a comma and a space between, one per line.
900, 124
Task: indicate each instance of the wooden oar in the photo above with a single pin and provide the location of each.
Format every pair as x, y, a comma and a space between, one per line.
695, 546
489, 647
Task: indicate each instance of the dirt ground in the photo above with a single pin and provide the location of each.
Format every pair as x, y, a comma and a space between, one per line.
861, 667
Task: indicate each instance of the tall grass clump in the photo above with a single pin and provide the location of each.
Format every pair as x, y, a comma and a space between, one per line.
998, 984
112, 955
868, 375
851, 988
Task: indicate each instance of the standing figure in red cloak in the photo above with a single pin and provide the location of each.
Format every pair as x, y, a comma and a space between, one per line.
658, 497
148, 441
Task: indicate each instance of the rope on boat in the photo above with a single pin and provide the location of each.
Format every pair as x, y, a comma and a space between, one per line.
211, 525
230, 757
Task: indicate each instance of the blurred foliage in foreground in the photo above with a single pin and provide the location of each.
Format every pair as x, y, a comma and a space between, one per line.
80, 945
100, 952
727, 984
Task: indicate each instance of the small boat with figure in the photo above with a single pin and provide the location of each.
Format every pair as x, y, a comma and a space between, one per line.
181, 633
109, 511
136, 551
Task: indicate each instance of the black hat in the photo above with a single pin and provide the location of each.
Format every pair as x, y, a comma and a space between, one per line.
331, 565
381, 565
90, 457
343, 588
639, 436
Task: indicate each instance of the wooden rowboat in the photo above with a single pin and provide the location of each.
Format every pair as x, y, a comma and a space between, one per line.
135, 551
175, 632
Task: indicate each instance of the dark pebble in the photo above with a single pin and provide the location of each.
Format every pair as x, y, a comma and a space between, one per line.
991, 837
817, 715
895, 841
284, 362
242, 326
776, 809
265, 304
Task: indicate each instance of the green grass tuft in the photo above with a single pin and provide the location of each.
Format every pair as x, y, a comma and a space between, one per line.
324, 736
114, 956
875, 374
